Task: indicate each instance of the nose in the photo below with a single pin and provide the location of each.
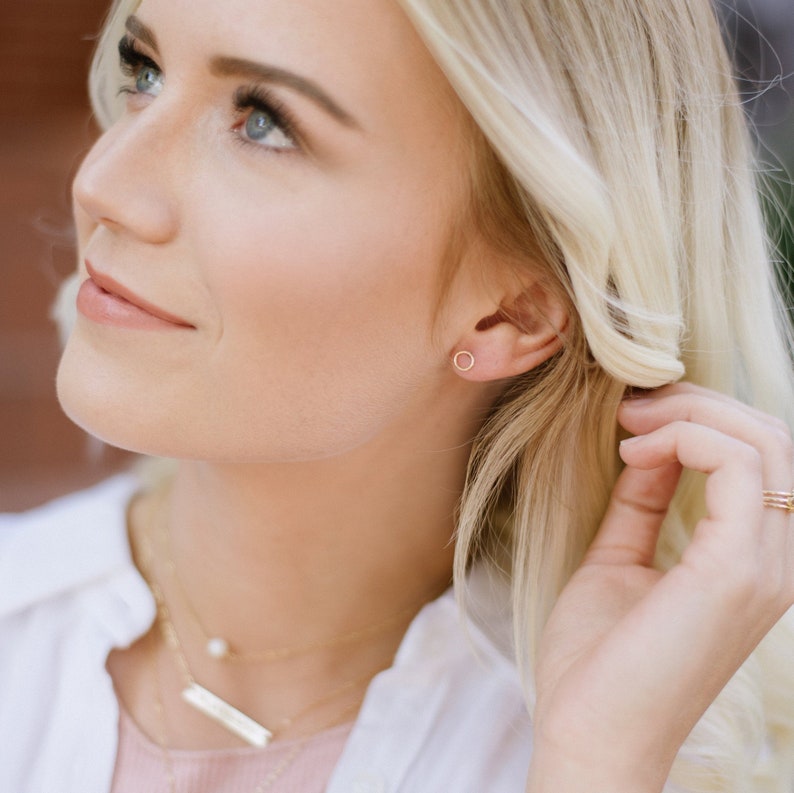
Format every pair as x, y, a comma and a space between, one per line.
128, 181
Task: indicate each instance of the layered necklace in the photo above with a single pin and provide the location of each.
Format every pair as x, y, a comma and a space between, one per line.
272, 776
219, 648
215, 707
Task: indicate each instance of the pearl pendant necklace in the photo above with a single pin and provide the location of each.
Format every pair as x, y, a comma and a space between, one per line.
215, 707
218, 709
217, 648
220, 649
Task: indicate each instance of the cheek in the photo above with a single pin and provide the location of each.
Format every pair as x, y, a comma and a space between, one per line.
322, 278
317, 309
325, 332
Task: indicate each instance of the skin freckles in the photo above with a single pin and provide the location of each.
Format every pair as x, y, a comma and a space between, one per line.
309, 273
322, 433
288, 179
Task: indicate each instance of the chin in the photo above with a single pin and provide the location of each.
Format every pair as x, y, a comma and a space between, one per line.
101, 400
99, 420
118, 394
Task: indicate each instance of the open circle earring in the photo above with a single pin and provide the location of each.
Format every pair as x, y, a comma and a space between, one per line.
463, 361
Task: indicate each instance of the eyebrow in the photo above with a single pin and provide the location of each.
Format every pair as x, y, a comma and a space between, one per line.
141, 32
224, 66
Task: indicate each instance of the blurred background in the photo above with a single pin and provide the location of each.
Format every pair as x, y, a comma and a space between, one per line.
45, 130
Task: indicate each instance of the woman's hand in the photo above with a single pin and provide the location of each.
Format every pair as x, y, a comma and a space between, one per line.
631, 658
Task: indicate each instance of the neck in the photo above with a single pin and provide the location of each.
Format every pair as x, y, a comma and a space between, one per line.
320, 548
296, 555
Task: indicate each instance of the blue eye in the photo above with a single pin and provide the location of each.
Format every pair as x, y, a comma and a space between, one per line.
266, 122
148, 80
143, 74
259, 125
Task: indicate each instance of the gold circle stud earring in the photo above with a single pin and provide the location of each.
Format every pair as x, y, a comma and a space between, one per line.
467, 364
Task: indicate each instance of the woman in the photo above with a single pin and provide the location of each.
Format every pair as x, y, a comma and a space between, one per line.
381, 277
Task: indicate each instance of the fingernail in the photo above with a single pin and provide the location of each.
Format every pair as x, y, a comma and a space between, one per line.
633, 439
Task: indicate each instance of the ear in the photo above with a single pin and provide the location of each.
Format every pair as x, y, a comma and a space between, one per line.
525, 330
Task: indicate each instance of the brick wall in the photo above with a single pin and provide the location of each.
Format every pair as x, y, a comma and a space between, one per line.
45, 128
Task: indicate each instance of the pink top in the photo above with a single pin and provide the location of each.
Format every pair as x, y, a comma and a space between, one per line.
299, 766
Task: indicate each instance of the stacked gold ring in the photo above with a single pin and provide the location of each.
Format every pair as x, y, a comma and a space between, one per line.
779, 499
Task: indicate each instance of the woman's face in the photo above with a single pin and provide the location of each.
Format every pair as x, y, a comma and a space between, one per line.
281, 189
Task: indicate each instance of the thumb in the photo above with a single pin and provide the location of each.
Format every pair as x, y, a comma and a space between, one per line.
631, 525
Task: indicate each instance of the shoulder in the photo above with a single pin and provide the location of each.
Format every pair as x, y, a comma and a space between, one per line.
69, 594
64, 545
449, 716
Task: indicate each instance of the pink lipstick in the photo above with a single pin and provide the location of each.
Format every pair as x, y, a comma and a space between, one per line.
106, 302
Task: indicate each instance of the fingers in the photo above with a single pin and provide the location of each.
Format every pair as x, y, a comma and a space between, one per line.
687, 403
733, 494
743, 452
685, 631
639, 503
684, 389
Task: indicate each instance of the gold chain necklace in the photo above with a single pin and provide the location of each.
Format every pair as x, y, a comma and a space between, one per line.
211, 705
272, 777
222, 712
220, 649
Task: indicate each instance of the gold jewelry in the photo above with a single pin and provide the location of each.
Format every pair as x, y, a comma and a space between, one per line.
220, 649
211, 705
463, 367
270, 779
779, 499
204, 700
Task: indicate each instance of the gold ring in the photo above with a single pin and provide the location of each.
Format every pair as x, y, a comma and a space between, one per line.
779, 499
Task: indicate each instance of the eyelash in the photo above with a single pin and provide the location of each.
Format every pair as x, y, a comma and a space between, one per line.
254, 98
258, 99
131, 60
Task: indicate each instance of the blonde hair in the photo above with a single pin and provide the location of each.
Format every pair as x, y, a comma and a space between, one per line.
613, 149
620, 152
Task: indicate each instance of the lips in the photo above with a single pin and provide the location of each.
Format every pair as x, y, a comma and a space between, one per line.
104, 300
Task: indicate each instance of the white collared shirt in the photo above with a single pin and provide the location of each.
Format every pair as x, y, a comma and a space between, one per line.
447, 717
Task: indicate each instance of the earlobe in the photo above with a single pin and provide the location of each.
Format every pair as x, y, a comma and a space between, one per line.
514, 339
463, 361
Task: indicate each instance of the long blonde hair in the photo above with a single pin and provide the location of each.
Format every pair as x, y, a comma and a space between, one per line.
610, 141
618, 148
